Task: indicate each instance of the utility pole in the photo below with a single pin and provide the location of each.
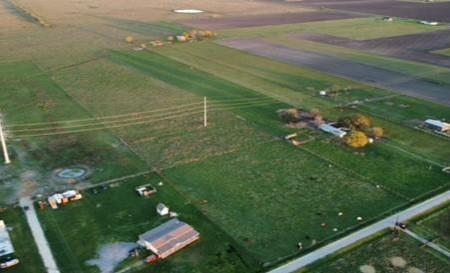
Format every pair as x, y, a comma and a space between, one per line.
2, 139
205, 113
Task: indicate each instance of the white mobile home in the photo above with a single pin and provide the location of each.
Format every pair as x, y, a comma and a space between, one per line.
332, 130
437, 125
7, 256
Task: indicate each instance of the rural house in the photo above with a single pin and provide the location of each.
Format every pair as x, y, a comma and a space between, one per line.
332, 130
7, 256
437, 125
168, 238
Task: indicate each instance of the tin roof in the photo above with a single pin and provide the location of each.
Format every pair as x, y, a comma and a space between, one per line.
170, 236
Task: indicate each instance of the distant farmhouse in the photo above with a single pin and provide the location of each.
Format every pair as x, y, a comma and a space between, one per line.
7, 256
332, 130
168, 238
437, 125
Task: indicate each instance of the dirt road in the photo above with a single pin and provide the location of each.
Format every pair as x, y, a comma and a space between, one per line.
370, 75
364, 233
38, 234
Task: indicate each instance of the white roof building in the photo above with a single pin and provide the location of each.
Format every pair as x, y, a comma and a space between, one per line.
162, 209
7, 257
332, 130
438, 125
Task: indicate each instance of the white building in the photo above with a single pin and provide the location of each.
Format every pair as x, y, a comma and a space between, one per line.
332, 130
7, 256
437, 125
162, 209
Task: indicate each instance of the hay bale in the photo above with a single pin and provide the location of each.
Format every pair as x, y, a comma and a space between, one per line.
129, 39
398, 261
367, 269
414, 270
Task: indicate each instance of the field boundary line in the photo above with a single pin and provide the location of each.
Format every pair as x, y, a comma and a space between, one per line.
425, 242
356, 237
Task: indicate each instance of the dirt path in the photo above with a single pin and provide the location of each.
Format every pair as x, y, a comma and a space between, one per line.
370, 75
38, 234
364, 233
426, 242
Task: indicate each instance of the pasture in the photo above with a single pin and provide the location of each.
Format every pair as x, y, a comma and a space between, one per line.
386, 254
295, 190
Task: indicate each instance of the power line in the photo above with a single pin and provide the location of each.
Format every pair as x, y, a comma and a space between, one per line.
103, 127
134, 117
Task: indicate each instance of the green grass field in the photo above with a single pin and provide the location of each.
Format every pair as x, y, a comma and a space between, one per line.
357, 29
23, 242
379, 253
435, 227
30, 96
100, 219
297, 190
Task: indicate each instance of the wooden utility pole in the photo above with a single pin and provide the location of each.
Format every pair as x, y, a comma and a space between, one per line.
5, 150
205, 113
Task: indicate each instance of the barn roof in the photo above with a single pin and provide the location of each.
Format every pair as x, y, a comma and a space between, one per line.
171, 235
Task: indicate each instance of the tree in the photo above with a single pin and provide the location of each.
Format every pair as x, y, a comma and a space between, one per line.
290, 115
356, 139
377, 132
361, 122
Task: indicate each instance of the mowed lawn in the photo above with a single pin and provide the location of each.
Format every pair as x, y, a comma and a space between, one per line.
381, 254
357, 29
271, 196
29, 96
23, 242
117, 214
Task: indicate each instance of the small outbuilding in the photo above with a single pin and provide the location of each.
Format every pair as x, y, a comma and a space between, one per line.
162, 209
145, 190
168, 238
437, 125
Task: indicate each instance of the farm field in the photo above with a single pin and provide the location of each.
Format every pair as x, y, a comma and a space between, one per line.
98, 91
268, 177
266, 20
25, 248
420, 11
386, 254
394, 81
355, 29
284, 83
116, 214
444, 52
435, 227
